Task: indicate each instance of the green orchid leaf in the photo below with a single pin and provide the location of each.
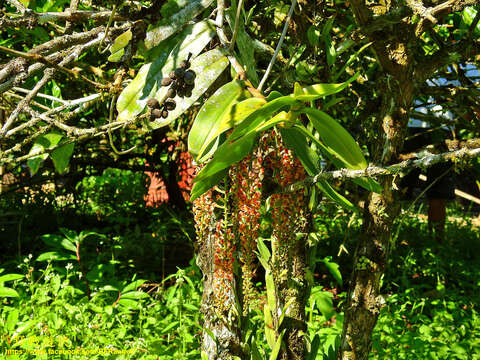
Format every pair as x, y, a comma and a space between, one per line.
338, 145
208, 68
278, 345
202, 186
295, 140
317, 91
338, 142
259, 116
269, 330
226, 155
270, 285
173, 24
263, 250
134, 97
273, 95
212, 119
236, 115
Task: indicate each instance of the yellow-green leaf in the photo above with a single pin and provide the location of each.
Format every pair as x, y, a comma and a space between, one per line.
118, 48
209, 122
338, 142
317, 91
269, 330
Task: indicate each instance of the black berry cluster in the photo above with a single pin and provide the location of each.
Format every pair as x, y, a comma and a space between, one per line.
160, 111
181, 80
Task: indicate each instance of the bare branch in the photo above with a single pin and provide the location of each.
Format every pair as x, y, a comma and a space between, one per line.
32, 18
279, 45
404, 167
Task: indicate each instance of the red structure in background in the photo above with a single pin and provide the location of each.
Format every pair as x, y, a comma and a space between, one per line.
157, 191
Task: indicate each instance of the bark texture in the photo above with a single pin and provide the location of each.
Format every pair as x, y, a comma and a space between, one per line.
370, 259
371, 255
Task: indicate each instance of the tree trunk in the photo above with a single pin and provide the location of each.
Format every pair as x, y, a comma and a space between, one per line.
371, 255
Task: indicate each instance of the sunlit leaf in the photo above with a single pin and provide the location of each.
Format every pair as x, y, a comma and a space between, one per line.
173, 24
11, 277
118, 48
55, 255
226, 155
7, 292
338, 142
213, 119
317, 91
208, 68
323, 301
269, 330
295, 140
278, 346
206, 184
134, 97
261, 115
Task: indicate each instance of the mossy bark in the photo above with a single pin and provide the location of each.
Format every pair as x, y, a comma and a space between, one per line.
371, 255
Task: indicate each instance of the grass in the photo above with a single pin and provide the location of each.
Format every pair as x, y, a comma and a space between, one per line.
431, 289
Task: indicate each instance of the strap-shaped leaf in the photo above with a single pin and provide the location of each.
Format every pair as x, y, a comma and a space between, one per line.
213, 118
227, 154
367, 183
338, 142
295, 140
203, 186
269, 329
170, 26
253, 120
317, 91
237, 113
134, 97
277, 346
208, 68
231, 152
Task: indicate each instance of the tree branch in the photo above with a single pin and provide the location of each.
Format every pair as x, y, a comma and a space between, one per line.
403, 167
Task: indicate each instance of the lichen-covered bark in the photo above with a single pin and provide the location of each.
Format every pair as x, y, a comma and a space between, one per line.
370, 259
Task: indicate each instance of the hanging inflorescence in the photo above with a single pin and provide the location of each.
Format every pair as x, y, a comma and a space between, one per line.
246, 193
288, 209
232, 220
